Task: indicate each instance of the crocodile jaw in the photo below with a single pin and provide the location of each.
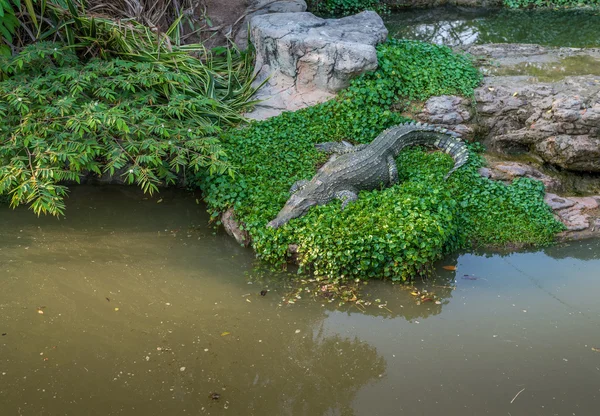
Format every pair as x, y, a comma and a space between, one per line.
295, 207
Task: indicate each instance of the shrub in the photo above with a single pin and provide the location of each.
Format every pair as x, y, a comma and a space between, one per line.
63, 117
8, 24
396, 232
515, 4
346, 7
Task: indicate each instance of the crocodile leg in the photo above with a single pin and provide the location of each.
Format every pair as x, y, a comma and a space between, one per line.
297, 185
392, 170
346, 196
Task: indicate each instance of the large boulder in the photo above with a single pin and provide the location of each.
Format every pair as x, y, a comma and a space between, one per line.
260, 7
305, 59
581, 153
559, 121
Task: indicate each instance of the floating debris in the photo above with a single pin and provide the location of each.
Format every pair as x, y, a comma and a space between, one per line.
451, 268
263, 292
214, 396
469, 277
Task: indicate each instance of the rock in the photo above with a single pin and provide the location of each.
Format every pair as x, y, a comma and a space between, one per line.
305, 59
508, 171
292, 253
260, 7
485, 172
448, 110
574, 221
578, 214
577, 152
557, 203
232, 227
588, 202
556, 120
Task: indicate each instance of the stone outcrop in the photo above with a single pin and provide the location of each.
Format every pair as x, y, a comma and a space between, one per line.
305, 59
577, 152
234, 229
452, 112
506, 171
557, 120
581, 215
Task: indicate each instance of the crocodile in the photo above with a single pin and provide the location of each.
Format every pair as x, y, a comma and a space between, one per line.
366, 167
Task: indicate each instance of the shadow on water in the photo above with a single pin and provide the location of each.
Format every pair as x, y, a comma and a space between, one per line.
455, 26
133, 306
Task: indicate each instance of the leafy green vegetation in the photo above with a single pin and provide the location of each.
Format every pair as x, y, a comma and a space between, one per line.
415, 71
8, 23
346, 7
396, 232
550, 3
143, 120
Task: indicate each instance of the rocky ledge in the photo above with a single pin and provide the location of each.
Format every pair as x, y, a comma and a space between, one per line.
528, 104
581, 215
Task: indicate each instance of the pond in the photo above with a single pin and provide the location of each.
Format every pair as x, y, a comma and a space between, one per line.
133, 306
456, 26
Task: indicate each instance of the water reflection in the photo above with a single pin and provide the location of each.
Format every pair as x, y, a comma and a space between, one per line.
455, 26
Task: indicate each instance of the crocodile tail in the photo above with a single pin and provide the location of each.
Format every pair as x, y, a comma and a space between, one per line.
447, 141
423, 134
451, 144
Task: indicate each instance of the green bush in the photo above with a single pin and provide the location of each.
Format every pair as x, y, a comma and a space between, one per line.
142, 120
515, 4
8, 24
346, 7
396, 232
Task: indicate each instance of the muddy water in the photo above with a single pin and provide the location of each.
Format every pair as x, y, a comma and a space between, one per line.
146, 311
456, 26
550, 71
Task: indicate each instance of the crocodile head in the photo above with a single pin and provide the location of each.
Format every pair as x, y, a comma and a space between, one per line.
298, 205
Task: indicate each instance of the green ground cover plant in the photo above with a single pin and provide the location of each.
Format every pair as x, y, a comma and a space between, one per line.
346, 7
396, 232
